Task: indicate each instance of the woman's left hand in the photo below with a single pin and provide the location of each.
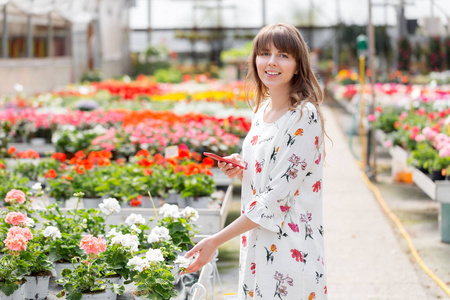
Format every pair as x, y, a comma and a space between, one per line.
205, 249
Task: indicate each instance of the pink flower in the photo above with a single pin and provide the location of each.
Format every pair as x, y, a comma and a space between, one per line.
420, 138
16, 218
294, 227
371, 118
284, 208
15, 195
388, 144
16, 243
92, 244
24, 231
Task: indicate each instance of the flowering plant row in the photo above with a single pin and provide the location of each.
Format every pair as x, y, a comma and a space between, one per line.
98, 176
126, 132
423, 131
141, 256
394, 93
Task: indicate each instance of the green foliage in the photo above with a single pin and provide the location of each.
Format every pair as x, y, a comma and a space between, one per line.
12, 270
169, 75
33, 171
152, 59
86, 277
155, 283
9, 181
387, 119
73, 140
92, 76
237, 54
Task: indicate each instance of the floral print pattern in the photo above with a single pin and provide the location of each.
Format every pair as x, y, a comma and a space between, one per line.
282, 192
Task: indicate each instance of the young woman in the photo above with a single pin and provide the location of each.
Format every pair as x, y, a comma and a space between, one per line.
282, 248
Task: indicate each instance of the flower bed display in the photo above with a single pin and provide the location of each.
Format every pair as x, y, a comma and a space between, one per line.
145, 256
97, 175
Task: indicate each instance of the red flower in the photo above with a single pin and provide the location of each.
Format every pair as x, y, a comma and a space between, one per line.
80, 154
136, 201
316, 186
297, 255
59, 156
252, 205
317, 141
143, 152
325, 289
254, 140
208, 161
244, 241
2, 166
253, 267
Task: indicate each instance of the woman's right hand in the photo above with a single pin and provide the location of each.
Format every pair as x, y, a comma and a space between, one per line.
230, 170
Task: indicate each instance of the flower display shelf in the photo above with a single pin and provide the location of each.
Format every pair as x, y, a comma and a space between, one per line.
210, 221
438, 191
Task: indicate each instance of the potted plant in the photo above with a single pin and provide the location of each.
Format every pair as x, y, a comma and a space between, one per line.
12, 267
39, 268
86, 280
152, 276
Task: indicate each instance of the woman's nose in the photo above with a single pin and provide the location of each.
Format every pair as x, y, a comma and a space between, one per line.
272, 60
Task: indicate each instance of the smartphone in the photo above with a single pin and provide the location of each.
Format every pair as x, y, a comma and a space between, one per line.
219, 158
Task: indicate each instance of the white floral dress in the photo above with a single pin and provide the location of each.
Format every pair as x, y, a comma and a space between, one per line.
284, 257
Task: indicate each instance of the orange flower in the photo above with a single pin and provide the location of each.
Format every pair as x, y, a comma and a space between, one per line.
296, 193
79, 170
148, 172
143, 152
2, 166
171, 161
397, 124
80, 154
74, 161
299, 132
50, 174
273, 248
312, 296
250, 293
69, 177
254, 191
178, 169
208, 172
12, 150
196, 156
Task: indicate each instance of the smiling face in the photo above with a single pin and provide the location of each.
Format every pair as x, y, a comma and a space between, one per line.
275, 68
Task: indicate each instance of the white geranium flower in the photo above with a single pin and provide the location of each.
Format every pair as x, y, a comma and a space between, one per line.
139, 263
154, 255
158, 234
182, 261
53, 232
128, 241
109, 206
135, 229
135, 219
190, 213
29, 222
168, 210
113, 232
37, 187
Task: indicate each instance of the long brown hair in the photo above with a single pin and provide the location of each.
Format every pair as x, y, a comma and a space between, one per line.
304, 84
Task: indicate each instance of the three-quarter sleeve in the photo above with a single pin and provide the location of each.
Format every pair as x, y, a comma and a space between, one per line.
295, 155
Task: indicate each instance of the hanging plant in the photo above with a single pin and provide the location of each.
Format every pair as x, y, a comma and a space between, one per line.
404, 54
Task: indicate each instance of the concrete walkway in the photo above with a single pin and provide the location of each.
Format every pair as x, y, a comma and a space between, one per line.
365, 259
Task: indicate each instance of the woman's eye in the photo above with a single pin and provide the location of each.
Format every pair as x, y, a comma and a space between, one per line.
284, 56
264, 53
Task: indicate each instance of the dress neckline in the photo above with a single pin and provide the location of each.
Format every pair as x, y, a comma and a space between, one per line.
274, 122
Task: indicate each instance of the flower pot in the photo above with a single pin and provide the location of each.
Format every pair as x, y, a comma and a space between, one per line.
147, 203
94, 296
139, 297
36, 287
52, 200
92, 202
198, 202
60, 266
437, 175
113, 280
17, 295
175, 198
